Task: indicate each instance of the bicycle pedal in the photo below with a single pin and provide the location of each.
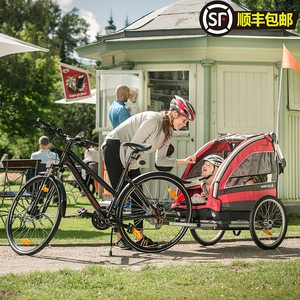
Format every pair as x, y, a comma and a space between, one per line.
82, 212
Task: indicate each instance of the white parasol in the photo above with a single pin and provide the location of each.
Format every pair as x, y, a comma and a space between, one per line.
10, 45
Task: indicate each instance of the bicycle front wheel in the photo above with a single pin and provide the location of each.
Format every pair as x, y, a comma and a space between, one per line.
148, 206
34, 216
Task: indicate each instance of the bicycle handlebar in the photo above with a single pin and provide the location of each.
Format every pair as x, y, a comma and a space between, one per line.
77, 140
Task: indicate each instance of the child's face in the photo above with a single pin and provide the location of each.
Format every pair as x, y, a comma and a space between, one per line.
133, 98
207, 169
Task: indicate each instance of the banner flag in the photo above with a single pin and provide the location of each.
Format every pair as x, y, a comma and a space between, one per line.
75, 82
288, 61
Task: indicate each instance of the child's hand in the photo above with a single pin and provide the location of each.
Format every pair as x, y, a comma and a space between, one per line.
203, 196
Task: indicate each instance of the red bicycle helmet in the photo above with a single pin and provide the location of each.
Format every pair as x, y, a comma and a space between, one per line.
183, 107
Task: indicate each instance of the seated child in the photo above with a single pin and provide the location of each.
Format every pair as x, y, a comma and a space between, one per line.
209, 170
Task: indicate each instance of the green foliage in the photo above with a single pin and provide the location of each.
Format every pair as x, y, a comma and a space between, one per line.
71, 33
79, 114
31, 82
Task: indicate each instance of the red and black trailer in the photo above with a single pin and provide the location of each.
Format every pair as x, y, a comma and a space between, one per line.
244, 193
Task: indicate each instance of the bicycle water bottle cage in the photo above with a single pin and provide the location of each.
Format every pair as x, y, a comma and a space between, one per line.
137, 147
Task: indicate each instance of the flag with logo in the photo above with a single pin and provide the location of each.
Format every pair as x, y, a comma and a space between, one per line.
288, 60
75, 82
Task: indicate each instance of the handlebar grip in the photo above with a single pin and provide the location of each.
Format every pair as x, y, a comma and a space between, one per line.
43, 122
85, 143
49, 128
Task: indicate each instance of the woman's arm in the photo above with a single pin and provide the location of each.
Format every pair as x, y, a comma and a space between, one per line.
186, 161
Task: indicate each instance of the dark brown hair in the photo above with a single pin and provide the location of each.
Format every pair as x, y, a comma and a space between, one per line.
166, 125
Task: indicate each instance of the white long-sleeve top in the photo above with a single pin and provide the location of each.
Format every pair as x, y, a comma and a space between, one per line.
145, 127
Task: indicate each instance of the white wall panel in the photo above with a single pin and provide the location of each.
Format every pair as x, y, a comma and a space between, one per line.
245, 99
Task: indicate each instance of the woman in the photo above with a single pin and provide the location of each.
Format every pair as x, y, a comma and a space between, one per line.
148, 127
209, 170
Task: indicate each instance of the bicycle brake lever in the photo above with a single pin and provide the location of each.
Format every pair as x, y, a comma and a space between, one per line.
46, 129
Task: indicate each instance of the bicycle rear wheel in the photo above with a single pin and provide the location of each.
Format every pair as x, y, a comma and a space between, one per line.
160, 189
34, 216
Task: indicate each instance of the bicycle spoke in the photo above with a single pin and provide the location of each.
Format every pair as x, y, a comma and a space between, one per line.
33, 220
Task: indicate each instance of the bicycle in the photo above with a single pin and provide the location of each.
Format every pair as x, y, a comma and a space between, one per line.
37, 209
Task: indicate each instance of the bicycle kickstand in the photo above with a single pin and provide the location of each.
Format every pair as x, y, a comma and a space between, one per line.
111, 238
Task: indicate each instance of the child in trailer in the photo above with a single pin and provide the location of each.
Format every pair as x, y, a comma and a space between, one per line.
209, 170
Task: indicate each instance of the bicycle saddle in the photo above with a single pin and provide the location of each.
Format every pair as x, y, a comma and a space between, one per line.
137, 146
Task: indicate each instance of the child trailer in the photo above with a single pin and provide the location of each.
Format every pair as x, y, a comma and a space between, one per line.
243, 195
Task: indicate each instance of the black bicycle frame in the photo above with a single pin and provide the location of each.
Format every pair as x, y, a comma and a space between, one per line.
68, 158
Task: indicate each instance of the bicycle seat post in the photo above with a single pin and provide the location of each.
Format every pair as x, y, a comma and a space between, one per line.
123, 175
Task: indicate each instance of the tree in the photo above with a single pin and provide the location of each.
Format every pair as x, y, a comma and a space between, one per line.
127, 22
71, 33
29, 82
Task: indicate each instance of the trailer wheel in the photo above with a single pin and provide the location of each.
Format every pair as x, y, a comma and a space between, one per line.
268, 222
207, 237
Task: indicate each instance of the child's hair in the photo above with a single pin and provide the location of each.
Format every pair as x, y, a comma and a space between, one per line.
133, 93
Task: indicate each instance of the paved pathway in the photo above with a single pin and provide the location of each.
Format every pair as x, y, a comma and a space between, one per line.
55, 258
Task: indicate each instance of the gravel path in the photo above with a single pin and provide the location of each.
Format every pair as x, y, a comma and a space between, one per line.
78, 257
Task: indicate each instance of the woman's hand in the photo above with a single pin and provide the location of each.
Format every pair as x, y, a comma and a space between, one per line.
186, 161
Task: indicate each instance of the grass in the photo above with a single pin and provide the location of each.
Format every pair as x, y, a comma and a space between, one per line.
238, 280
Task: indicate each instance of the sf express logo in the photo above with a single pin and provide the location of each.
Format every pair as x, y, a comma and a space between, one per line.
216, 18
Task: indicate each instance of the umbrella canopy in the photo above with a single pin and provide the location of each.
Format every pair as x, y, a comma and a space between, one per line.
90, 100
10, 45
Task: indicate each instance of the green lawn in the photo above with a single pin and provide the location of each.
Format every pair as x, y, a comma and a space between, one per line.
238, 280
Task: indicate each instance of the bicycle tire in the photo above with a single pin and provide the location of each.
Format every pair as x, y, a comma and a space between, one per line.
268, 222
34, 215
157, 187
207, 237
